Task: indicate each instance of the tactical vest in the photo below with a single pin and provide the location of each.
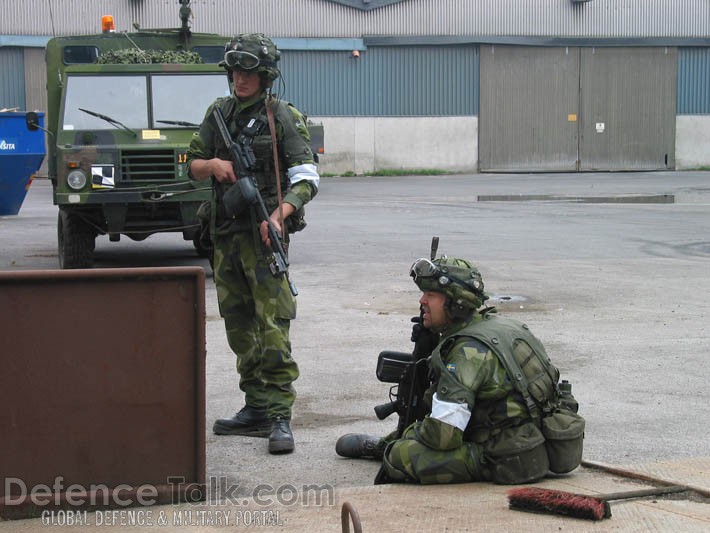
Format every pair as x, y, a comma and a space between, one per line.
292, 148
524, 358
535, 378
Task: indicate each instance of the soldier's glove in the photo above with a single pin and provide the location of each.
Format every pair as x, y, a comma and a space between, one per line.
416, 328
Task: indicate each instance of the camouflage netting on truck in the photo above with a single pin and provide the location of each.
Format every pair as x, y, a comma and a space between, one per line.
132, 56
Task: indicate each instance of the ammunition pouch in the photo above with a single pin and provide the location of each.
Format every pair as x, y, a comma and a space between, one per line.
564, 439
239, 197
517, 455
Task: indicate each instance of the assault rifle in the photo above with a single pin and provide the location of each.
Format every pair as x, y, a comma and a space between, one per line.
245, 192
410, 373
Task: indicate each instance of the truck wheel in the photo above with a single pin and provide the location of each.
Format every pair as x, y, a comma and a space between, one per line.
76, 240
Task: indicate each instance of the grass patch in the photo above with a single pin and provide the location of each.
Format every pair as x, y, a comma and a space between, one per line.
348, 174
390, 172
407, 172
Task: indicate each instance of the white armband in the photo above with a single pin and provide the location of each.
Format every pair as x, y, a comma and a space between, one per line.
307, 172
453, 414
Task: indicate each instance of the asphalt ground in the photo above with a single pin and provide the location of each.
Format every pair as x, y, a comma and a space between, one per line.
609, 270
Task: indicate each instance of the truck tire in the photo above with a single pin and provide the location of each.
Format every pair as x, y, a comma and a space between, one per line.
76, 241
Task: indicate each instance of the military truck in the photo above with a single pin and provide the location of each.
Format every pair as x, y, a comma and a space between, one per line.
118, 131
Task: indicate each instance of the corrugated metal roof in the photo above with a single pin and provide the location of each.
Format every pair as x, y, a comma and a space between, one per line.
320, 18
366, 5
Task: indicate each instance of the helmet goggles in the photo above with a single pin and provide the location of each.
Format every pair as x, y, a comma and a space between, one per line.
239, 59
423, 269
428, 274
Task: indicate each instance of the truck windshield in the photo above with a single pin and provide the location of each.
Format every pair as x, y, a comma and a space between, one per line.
123, 98
177, 100
181, 99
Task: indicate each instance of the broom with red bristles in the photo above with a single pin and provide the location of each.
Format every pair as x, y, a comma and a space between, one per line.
550, 501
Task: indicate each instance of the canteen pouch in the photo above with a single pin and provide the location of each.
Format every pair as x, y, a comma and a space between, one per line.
517, 455
564, 440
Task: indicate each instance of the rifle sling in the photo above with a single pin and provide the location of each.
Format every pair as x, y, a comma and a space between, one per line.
272, 130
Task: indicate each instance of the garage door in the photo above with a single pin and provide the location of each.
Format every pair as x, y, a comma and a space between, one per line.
563, 109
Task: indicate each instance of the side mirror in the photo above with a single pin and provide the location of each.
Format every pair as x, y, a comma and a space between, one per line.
32, 121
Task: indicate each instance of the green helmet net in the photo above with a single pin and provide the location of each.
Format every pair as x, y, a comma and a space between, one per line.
252, 52
458, 279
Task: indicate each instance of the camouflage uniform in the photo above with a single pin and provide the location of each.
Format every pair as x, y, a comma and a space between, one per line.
256, 306
477, 420
482, 421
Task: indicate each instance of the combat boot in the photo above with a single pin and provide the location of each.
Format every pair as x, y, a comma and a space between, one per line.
249, 421
281, 438
358, 445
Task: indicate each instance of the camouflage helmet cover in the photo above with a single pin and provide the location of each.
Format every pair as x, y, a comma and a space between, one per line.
252, 51
458, 279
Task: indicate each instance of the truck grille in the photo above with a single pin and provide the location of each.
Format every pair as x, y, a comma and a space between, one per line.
146, 165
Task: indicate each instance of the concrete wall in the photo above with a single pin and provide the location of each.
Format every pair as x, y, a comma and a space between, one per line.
366, 144
692, 145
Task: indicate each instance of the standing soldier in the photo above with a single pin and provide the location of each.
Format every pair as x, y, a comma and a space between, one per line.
257, 307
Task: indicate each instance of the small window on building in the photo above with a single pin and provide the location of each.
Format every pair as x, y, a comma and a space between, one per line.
76, 54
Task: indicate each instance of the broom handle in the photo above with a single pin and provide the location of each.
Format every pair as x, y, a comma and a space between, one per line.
657, 491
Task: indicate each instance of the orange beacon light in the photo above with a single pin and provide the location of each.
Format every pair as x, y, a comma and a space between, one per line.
107, 24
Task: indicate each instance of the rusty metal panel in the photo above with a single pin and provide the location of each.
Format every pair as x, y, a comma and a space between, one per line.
102, 381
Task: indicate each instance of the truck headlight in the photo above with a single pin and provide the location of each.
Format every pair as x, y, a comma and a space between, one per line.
76, 180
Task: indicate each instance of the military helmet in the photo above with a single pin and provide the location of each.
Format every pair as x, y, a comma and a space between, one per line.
458, 279
252, 52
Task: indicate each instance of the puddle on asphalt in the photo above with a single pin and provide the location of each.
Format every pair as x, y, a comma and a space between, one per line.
620, 199
506, 298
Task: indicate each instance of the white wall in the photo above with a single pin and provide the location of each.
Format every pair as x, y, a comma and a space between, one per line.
692, 144
366, 144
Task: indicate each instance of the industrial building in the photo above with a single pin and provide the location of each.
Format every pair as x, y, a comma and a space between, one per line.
454, 85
